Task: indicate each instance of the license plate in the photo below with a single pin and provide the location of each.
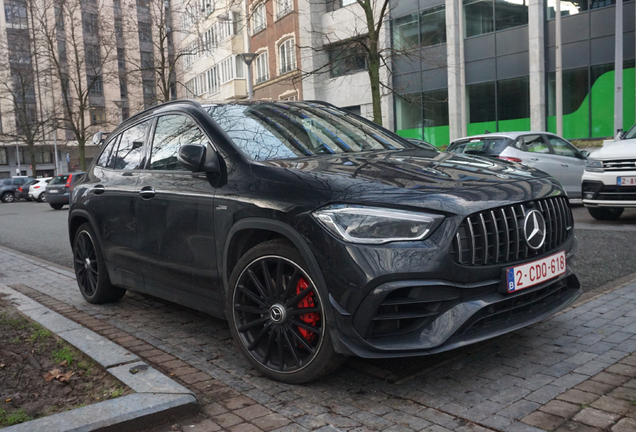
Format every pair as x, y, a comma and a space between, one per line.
527, 275
626, 181
53, 191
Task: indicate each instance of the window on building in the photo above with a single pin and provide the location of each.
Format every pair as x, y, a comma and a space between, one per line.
15, 13
98, 115
513, 99
93, 56
121, 59
478, 17
150, 91
89, 23
209, 40
286, 56
481, 102
95, 84
59, 18
346, 59
147, 60
125, 113
261, 64
433, 26
145, 32
510, 13
408, 112
143, 3
212, 76
171, 133
406, 32
61, 51
4, 160
568, 7
287, 96
119, 27
123, 88
283, 7
435, 108
259, 18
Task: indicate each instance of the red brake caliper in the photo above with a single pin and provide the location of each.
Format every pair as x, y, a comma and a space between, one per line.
309, 318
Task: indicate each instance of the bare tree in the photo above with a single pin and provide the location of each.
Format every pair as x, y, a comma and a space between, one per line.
81, 59
19, 86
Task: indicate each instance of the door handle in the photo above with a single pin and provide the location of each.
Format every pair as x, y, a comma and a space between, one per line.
147, 192
565, 165
534, 159
99, 189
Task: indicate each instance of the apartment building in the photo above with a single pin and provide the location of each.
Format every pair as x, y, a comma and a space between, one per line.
76, 67
490, 65
274, 35
213, 36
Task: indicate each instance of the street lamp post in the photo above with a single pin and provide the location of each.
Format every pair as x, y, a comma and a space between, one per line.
248, 58
120, 105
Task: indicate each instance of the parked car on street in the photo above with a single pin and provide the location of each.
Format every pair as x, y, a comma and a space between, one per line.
57, 190
318, 234
37, 189
9, 187
609, 181
541, 150
22, 192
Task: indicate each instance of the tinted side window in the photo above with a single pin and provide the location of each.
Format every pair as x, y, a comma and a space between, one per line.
103, 158
7, 182
562, 147
535, 144
128, 154
171, 133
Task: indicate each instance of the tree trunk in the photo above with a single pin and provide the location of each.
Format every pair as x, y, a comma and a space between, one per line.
33, 165
374, 78
82, 157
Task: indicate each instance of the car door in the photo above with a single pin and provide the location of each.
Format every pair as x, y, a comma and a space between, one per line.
572, 164
175, 210
112, 204
538, 154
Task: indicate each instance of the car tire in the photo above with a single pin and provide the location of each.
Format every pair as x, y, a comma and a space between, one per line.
605, 214
264, 309
56, 206
90, 268
42, 197
8, 197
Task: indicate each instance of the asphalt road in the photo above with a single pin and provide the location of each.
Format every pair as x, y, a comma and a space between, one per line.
605, 253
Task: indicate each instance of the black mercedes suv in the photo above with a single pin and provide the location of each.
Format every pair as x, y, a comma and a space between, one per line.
318, 234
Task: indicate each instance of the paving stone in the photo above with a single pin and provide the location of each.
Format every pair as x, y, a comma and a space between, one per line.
625, 393
213, 409
519, 409
543, 420
496, 421
237, 402
227, 420
206, 425
483, 410
439, 417
434, 428
596, 418
510, 395
544, 394
595, 387
252, 412
413, 422
270, 422
578, 397
625, 425
622, 369
310, 422
372, 421
337, 420
613, 405
609, 378
245, 427
560, 408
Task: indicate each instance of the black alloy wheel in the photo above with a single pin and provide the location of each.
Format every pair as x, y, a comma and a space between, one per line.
277, 315
90, 269
8, 197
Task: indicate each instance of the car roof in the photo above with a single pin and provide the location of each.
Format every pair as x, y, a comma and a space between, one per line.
510, 135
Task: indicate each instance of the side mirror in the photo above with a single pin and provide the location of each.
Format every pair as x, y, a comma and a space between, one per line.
196, 158
585, 153
98, 138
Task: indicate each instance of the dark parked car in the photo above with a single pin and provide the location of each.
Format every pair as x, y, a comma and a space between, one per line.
318, 234
9, 187
57, 191
22, 192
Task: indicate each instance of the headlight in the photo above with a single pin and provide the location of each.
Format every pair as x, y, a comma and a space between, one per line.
594, 165
373, 225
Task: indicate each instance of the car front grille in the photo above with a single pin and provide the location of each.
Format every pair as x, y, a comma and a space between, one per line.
620, 165
617, 193
496, 236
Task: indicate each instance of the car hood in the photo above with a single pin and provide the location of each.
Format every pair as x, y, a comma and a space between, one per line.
624, 149
403, 176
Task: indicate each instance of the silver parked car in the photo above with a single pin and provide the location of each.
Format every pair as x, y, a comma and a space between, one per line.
542, 150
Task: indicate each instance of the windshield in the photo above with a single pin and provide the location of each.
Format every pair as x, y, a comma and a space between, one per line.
268, 131
480, 146
631, 133
59, 179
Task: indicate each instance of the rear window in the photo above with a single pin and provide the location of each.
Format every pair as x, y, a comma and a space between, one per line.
7, 182
59, 179
480, 146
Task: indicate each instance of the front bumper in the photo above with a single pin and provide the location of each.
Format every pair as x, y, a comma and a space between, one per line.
601, 189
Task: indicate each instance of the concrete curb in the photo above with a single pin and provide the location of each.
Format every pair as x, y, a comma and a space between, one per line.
156, 396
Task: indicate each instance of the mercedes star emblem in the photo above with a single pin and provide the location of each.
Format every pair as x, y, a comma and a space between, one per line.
277, 313
534, 229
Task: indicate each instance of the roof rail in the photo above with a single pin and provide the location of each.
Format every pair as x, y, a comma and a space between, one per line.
172, 102
319, 102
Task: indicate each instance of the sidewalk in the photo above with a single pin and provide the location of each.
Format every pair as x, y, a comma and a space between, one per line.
573, 372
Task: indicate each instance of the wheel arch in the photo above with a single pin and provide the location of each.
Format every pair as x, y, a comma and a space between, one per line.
269, 229
75, 220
